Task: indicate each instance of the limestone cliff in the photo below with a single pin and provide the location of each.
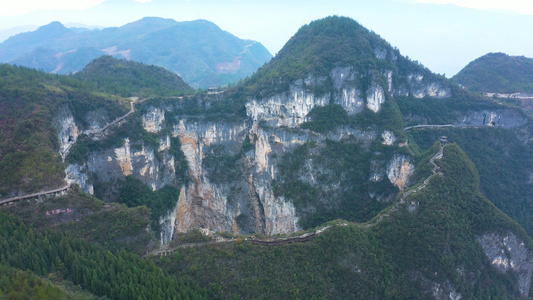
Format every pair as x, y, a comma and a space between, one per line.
67, 130
507, 253
233, 166
237, 174
504, 118
399, 170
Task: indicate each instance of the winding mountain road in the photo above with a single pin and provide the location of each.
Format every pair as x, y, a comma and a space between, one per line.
434, 171
65, 152
58, 190
430, 126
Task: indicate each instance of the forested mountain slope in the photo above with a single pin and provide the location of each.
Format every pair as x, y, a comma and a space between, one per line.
128, 78
498, 73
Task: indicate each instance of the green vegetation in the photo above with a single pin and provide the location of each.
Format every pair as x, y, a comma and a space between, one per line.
304, 172
498, 73
17, 284
180, 162
134, 192
500, 158
326, 118
128, 78
113, 226
118, 275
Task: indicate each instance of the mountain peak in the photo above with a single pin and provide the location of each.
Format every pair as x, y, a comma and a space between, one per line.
328, 45
129, 78
151, 22
53, 27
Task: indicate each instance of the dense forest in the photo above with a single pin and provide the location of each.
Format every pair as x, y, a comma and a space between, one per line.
128, 78
119, 275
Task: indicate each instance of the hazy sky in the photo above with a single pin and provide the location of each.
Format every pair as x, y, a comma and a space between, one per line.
444, 35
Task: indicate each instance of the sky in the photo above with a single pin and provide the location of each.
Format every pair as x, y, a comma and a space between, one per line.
443, 35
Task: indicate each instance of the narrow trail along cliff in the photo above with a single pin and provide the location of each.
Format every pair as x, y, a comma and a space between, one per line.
394, 207
165, 250
35, 195
65, 152
434, 171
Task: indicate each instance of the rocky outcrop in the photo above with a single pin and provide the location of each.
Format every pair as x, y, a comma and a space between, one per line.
139, 161
346, 93
78, 175
388, 138
153, 120
507, 253
375, 96
399, 169
444, 291
287, 109
504, 118
168, 224
67, 130
421, 87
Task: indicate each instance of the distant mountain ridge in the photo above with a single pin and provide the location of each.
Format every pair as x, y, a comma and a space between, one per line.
199, 51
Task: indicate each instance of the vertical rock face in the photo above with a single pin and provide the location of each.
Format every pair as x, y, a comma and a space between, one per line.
399, 170
346, 93
505, 118
139, 161
507, 252
420, 87
201, 204
67, 130
286, 109
153, 120
375, 96
168, 224
78, 175
123, 158
243, 203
